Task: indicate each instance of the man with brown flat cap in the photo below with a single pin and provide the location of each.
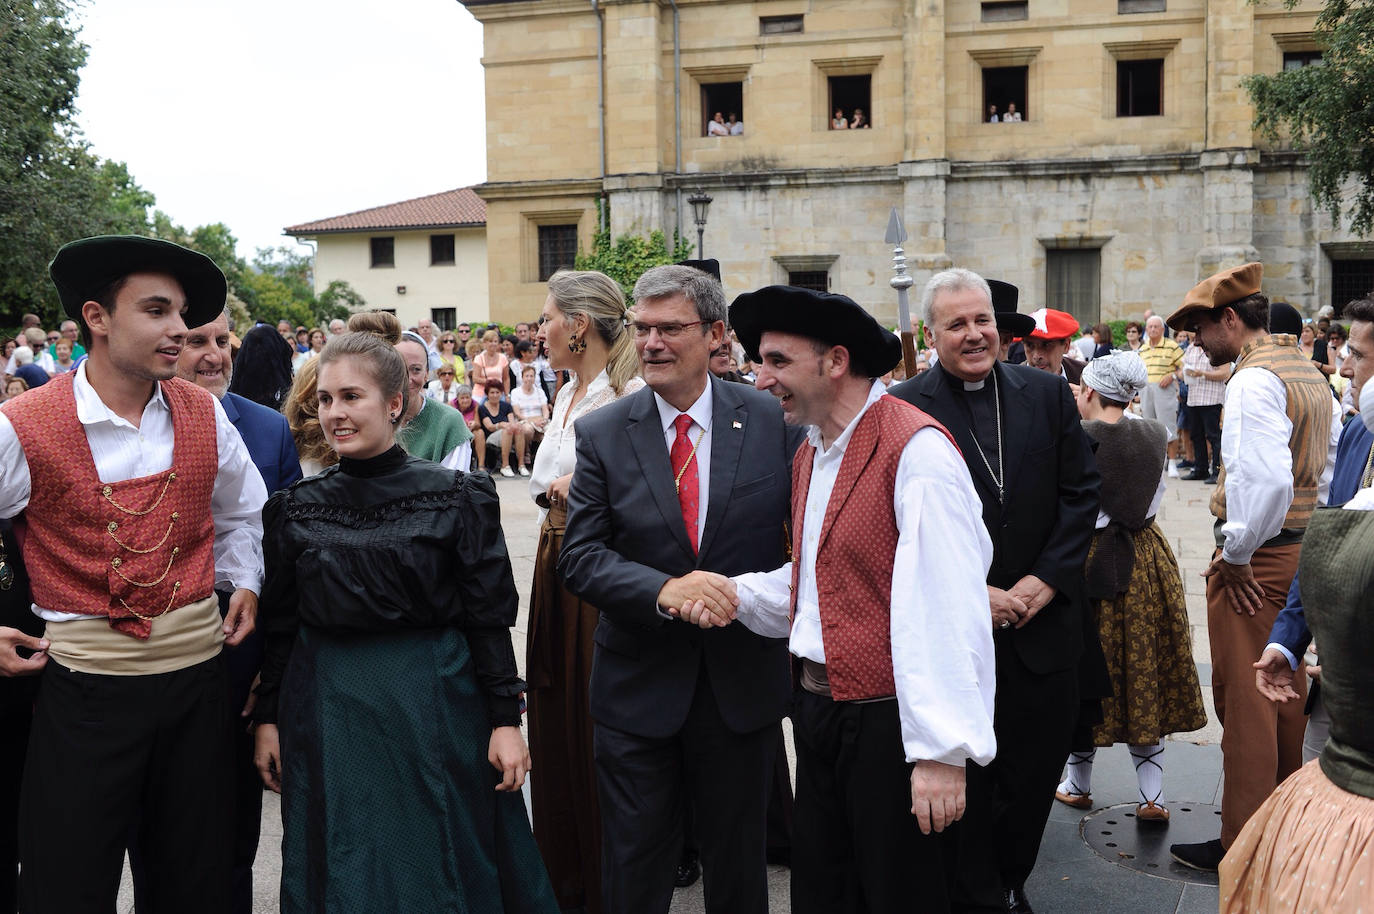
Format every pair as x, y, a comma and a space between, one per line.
138, 498
1278, 446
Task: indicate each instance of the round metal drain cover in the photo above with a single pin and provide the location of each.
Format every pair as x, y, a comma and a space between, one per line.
1118, 837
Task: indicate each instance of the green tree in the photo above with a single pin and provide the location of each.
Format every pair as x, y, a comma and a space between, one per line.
280, 286
52, 189
1328, 110
628, 256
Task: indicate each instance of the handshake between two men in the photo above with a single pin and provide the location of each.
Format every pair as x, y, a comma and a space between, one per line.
702, 598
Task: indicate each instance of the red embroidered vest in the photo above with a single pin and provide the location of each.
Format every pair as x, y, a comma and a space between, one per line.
129, 550
857, 546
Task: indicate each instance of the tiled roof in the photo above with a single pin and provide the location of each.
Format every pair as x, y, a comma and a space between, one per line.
459, 207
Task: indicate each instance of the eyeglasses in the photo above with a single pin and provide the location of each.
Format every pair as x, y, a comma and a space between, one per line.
464, 330
53, 338
642, 330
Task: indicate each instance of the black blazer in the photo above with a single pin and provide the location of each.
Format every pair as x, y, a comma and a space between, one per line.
626, 537
1051, 498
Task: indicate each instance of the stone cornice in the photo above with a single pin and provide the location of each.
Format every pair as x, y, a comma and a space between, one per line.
782, 177
523, 190
1114, 165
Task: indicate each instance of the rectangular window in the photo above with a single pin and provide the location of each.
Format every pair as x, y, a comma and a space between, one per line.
557, 249
1140, 88
815, 280
722, 109
1006, 11
1296, 60
383, 251
1004, 94
850, 102
779, 25
444, 318
1073, 281
440, 250
1350, 279
1126, 7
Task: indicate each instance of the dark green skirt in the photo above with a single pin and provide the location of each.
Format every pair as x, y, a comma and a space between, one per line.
388, 801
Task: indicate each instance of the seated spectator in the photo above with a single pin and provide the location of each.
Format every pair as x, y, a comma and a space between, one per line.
736, 127
859, 122
839, 121
467, 408
508, 347
302, 340
531, 408
500, 429
450, 356
64, 361
14, 387
992, 115
717, 126
1102, 335
26, 370
71, 333
470, 350
1012, 114
444, 388
37, 342
491, 363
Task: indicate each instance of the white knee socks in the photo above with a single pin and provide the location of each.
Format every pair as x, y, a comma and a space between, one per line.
1149, 772
1079, 778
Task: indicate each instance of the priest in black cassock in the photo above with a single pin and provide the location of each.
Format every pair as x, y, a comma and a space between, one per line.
1034, 471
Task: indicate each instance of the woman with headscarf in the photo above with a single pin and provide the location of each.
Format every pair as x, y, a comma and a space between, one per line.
1136, 590
583, 327
262, 369
1310, 846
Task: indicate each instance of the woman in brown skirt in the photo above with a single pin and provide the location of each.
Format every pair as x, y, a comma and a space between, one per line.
582, 326
1135, 587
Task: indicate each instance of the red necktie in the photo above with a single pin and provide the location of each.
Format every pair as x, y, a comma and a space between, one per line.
683, 457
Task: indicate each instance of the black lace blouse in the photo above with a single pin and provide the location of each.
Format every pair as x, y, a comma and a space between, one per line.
385, 543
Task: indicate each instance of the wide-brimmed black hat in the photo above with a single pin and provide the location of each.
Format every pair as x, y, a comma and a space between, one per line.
1009, 320
834, 319
1284, 318
83, 268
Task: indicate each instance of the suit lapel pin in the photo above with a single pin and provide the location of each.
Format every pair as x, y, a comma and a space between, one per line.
737, 425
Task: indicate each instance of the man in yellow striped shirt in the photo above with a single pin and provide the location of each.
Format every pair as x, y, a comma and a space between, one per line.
1159, 400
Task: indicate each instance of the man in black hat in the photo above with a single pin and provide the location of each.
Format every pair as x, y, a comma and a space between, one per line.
884, 606
1012, 325
138, 496
1021, 436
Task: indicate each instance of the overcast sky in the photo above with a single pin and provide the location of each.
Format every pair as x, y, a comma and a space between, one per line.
267, 113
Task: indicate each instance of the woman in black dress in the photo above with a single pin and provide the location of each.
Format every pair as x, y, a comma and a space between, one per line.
389, 705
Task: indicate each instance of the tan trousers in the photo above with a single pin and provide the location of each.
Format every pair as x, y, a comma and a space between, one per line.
1261, 742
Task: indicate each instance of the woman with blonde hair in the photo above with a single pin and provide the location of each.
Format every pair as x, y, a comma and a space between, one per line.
302, 413
583, 328
491, 364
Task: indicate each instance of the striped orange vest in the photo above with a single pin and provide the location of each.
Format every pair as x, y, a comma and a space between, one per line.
1308, 406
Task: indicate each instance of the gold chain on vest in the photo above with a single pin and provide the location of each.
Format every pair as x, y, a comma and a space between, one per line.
112, 527
116, 562
176, 585
108, 492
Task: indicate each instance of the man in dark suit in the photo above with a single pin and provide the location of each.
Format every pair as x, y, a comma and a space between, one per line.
205, 361
678, 487
1033, 468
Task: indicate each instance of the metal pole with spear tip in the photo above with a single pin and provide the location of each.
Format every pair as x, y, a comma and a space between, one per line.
901, 281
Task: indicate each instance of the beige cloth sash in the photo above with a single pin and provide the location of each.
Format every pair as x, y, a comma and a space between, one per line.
181, 638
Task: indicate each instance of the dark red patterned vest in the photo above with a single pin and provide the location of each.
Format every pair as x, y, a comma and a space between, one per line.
857, 546
129, 550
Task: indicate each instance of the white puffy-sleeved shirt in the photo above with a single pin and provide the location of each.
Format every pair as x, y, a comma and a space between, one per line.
123, 451
942, 654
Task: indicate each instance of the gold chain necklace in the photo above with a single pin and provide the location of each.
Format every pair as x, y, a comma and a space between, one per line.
1000, 476
1368, 478
677, 480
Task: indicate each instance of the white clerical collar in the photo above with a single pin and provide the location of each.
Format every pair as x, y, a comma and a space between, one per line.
813, 434
700, 411
975, 385
90, 409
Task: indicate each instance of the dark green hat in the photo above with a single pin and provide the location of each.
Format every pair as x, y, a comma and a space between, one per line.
834, 319
83, 268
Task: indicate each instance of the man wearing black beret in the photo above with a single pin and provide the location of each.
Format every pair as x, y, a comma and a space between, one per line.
884, 607
137, 497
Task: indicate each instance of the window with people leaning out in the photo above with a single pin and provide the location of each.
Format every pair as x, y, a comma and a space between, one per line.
851, 102
1004, 95
722, 109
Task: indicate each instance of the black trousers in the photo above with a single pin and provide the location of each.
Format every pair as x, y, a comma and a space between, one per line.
645, 784
15, 719
1009, 801
243, 662
1204, 425
109, 751
856, 846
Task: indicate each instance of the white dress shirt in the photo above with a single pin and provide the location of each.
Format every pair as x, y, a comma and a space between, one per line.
701, 412
1258, 463
942, 653
122, 451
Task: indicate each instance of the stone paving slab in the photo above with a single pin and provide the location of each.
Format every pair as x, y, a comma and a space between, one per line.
1070, 877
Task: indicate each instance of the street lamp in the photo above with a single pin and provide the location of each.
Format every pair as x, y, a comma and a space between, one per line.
701, 202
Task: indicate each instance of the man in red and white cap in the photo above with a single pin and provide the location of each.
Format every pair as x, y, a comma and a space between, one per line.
1048, 344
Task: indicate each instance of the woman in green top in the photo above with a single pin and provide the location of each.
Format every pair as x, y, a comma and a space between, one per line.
428, 428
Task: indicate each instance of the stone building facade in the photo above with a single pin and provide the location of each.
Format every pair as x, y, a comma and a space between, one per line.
1133, 171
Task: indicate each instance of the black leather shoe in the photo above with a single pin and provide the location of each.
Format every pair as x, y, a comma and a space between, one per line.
1016, 900
1210, 480
1196, 476
1205, 856
688, 871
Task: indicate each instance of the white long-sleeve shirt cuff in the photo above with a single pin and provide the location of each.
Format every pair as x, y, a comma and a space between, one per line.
765, 601
1287, 654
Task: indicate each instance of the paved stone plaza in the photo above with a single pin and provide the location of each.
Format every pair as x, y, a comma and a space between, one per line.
1070, 876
